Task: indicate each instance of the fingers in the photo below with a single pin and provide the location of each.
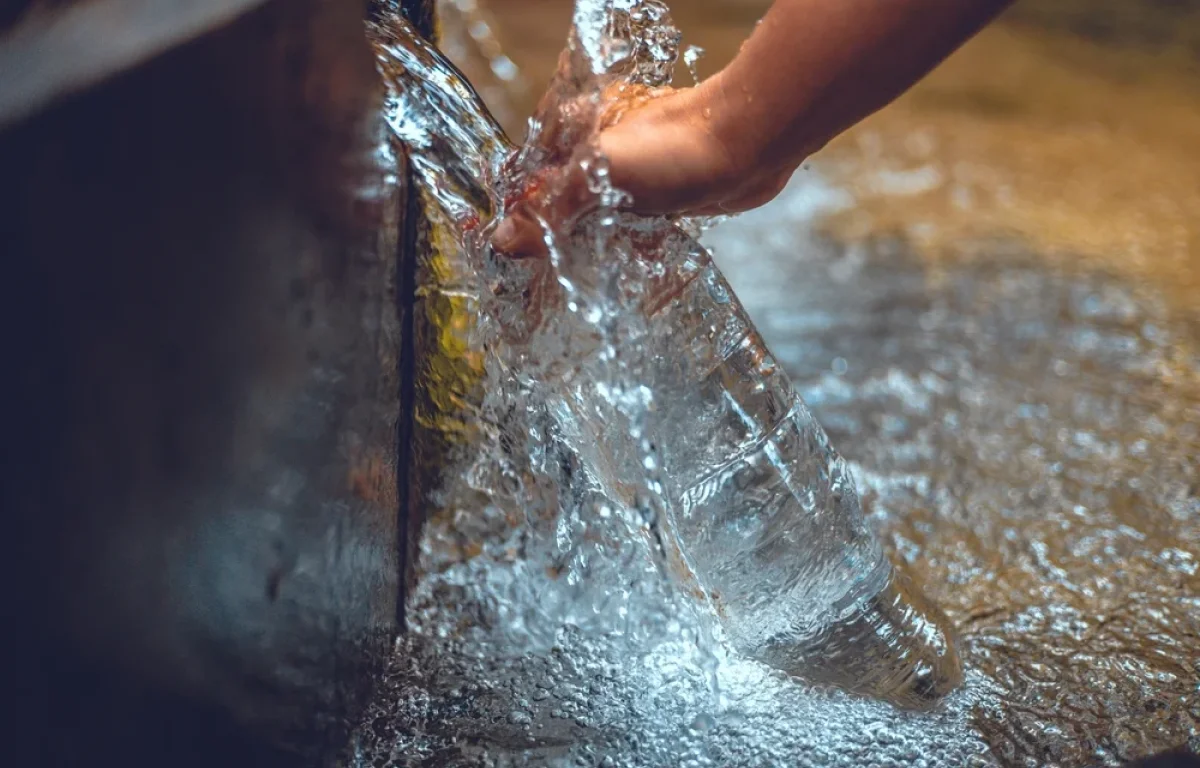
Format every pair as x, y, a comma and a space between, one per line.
548, 208
757, 193
665, 156
520, 236
660, 150
552, 205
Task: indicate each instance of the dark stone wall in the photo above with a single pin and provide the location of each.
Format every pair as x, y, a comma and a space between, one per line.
201, 400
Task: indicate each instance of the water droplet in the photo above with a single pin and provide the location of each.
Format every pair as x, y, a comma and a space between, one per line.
691, 55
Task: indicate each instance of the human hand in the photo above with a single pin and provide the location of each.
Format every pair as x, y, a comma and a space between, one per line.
684, 153
671, 151
811, 69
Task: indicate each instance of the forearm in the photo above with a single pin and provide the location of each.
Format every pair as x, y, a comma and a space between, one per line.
813, 68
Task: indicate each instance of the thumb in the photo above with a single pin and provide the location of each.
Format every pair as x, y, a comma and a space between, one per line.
520, 235
549, 206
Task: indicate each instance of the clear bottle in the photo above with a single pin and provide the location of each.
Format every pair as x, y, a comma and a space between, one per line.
643, 347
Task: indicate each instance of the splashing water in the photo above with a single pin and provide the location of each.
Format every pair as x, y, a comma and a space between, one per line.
941, 463
629, 462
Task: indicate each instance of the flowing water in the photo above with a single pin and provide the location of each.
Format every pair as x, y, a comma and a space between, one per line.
1024, 436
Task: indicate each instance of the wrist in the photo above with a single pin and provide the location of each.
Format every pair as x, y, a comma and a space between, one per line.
730, 118
758, 132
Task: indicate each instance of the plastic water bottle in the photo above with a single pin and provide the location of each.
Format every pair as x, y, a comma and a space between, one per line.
635, 340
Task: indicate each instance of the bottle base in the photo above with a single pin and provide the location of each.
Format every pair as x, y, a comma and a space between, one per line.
897, 647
